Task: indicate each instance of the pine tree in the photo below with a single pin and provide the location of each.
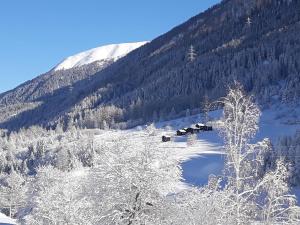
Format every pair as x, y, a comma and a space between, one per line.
206, 107
172, 114
187, 113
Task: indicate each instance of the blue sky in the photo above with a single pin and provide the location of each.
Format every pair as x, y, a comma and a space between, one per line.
36, 35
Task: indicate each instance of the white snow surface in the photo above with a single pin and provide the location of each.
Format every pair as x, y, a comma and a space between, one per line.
107, 52
6, 220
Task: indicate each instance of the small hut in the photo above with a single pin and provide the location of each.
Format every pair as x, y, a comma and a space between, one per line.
180, 132
203, 127
189, 130
208, 128
200, 126
196, 130
166, 138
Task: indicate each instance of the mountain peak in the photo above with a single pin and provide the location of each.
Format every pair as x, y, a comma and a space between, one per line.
103, 53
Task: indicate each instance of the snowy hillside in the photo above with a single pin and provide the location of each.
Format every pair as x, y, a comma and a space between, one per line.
110, 162
107, 52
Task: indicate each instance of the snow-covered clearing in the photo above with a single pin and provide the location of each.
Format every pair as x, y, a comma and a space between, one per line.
207, 143
203, 157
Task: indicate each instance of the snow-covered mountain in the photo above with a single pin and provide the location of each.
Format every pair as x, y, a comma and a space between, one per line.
69, 72
104, 53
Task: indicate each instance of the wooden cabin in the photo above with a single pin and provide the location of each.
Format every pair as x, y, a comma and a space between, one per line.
200, 126
189, 130
166, 138
196, 130
181, 132
203, 127
208, 128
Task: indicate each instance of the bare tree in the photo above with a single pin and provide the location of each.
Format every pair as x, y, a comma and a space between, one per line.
130, 179
12, 193
245, 170
239, 125
57, 197
191, 139
278, 204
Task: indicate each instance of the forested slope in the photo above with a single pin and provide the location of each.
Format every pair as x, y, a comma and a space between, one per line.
255, 42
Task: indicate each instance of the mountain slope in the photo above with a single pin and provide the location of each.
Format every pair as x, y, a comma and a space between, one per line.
27, 96
68, 72
158, 80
